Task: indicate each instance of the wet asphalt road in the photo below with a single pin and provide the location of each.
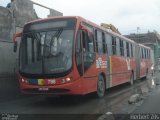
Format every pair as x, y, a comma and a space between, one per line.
152, 103
115, 101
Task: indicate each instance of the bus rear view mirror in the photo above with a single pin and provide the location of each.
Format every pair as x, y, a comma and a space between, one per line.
15, 42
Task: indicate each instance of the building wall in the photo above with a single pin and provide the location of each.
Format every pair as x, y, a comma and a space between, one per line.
6, 30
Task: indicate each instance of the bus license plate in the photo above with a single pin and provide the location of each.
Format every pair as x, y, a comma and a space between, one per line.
43, 89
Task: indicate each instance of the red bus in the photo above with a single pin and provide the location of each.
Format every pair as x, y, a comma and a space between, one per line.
71, 55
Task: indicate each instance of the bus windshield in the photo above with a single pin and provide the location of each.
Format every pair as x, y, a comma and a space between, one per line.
48, 52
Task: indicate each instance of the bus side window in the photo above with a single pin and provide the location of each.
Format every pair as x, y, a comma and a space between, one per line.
109, 44
146, 53
142, 52
114, 46
121, 47
133, 45
96, 41
99, 42
131, 50
104, 43
117, 46
127, 49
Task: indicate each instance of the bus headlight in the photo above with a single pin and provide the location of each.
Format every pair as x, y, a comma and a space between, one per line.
24, 80
68, 79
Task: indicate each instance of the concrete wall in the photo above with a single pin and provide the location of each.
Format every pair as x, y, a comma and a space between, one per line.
6, 30
24, 13
55, 13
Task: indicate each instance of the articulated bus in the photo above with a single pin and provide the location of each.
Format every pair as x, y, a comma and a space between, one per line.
73, 56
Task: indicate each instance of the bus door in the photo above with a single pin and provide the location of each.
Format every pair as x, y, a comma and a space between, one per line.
87, 59
85, 54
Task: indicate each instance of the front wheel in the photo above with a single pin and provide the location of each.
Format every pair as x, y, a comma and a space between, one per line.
100, 87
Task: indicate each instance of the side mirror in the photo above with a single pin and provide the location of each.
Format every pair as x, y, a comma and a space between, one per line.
15, 42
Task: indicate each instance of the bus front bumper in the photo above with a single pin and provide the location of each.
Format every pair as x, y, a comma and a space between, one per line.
72, 88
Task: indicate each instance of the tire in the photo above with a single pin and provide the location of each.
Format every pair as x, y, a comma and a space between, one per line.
101, 87
132, 78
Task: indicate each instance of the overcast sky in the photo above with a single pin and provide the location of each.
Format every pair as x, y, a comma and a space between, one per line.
126, 15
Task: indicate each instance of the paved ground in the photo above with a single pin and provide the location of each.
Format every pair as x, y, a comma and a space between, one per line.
73, 107
152, 102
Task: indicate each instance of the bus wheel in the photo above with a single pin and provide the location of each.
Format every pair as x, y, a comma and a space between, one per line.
100, 87
131, 78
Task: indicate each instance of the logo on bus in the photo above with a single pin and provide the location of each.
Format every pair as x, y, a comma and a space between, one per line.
100, 63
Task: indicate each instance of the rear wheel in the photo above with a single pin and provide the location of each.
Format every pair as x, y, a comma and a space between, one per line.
101, 87
131, 78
